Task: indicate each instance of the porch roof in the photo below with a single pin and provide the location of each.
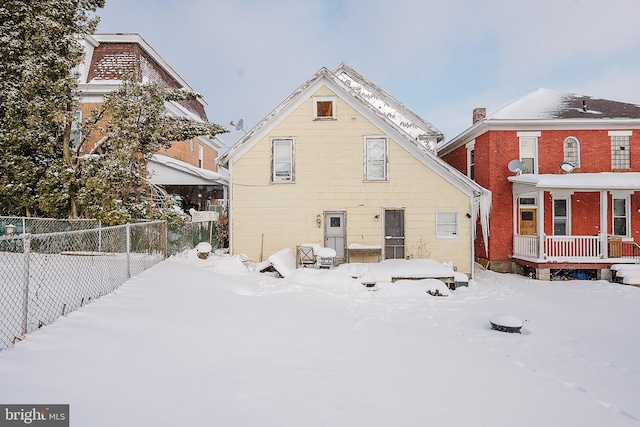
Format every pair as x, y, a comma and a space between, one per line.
581, 181
169, 171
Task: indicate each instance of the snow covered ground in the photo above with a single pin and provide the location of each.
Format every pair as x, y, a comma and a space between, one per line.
194, 342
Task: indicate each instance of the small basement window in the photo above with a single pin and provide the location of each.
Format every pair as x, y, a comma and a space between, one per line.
324, 108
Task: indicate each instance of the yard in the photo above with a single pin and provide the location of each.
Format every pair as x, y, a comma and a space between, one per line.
194, 342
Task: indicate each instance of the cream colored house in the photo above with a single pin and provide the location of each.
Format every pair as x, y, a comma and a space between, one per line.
342, 164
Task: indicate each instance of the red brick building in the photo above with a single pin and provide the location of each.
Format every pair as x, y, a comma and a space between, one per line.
564, 172
188, 168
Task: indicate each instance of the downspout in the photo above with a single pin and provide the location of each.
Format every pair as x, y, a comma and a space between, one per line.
229, 207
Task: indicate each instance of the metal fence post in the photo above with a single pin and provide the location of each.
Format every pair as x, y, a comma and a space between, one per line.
26, 239
128, 228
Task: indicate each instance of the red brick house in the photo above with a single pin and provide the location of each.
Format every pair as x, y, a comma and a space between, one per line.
188, 168
564, 171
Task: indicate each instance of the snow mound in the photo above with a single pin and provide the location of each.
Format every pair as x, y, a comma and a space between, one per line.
413, 288
283, 261
389, 269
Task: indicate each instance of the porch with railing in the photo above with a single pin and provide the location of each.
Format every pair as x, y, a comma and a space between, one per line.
574, 248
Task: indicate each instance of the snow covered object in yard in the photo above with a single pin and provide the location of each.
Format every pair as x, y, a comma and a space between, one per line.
414, 288
283, 261
203, 249
505, 323
391, 270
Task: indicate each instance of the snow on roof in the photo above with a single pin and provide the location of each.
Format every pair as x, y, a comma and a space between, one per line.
581, 181
188, 169
546, 104
416, 127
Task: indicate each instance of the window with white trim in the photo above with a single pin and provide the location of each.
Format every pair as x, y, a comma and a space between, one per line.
529, 151
620, 158
324, 108
200, 156
375, 163
561, 216
572, 151
471, 161
282, 160
447, 225
620, 215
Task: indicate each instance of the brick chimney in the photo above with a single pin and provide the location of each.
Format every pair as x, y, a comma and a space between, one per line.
479, 114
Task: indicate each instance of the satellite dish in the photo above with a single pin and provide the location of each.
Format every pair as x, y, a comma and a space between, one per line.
515, 166
567, 167
239, 126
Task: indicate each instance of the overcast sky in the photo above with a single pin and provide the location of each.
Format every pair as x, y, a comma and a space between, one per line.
441, 58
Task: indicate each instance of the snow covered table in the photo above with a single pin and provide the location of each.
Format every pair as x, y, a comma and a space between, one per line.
356, 249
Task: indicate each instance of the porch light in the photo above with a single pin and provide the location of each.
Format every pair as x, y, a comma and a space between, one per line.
318, 220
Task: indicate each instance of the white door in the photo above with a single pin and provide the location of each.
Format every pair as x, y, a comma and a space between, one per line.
335, 233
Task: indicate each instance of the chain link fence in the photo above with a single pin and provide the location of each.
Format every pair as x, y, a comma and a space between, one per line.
44, 276
187, 236
48, 274
22, 225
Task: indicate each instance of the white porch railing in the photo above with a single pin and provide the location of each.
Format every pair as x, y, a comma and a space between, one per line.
525, 246
558, 247
572, 246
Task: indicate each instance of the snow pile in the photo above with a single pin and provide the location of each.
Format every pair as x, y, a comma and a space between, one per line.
389, 269
413, 288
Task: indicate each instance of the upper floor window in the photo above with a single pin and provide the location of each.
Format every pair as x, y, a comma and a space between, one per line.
620, 158
200, 156
324, 107
471, 161
375, 163
447, 224
529, 151
282, 160
572, 151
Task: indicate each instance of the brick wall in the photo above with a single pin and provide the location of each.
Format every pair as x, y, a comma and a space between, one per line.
494, 150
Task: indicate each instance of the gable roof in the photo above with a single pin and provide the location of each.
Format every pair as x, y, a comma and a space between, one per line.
378, 107
547, 109
108, 57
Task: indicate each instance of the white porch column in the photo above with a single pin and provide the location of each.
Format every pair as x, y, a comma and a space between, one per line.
604, 201
540, 224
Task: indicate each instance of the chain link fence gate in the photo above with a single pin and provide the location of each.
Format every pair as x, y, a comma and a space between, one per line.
44, 276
